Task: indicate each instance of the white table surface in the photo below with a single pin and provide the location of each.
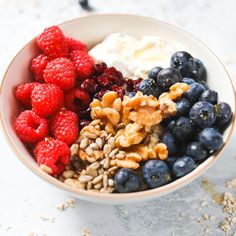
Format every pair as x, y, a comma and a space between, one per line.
25, 199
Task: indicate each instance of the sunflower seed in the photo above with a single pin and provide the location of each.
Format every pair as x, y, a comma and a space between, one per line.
120, 126
110, 182
111, 141
94, 146
113, 168
74, 149
109, 190
105, 180
90, 135
94, 165
113, 152
89, 185
95, 122
84, 143
85, 178
91, 159
99, 142
97, 179
68, 174
120, 156
89, 151
102, 190
106, 164
98, 185
107, 149
91, 172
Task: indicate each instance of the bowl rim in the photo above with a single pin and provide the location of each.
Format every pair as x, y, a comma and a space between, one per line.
121, 197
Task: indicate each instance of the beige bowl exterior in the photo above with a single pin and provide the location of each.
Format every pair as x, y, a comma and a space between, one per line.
92, 29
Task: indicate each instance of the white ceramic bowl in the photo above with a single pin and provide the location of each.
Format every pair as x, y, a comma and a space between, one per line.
92, 29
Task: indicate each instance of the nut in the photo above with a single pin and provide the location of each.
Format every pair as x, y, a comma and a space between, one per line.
74, 149
68, 174
85, 178
124, 164
97, 179
84, 143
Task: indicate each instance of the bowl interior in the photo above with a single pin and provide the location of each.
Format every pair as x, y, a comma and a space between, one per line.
93, 29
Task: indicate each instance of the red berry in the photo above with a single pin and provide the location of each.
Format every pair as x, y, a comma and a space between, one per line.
52, 153
23, 93
84, 123
77, 100
83, 64
60, 71
64, 126
75, 44
104, 81
99, 68
53, 42
47, 99
38, 65
132, 85
136, 82
100, 93
114, 75
30, 127
89, 85
120, 91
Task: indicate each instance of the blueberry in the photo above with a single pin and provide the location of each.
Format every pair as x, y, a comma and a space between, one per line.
170, 142
204, 83
197, 151
203, 113
167, 77
130, 94
211, 139
209, 96
188, 81
183, 166
127, 180
149, 87
194, 92
223, 114
156, 173
153, 73
85, 5
171, 125
183, 129
170, 161
198, 71
182, 106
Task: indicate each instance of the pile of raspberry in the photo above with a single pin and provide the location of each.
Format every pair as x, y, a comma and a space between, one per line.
56, 102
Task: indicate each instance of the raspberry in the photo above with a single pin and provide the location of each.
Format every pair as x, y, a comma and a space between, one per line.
53, 42
114, 75
64, 126
89, 85
99, 68
83, 123
77, 100
120, 91
23, 93
60, 71
47, 99
55, 154
30, 127
38, 64
100, 94
74, 44
83, 63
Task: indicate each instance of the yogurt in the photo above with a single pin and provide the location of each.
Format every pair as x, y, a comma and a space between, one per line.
132, 56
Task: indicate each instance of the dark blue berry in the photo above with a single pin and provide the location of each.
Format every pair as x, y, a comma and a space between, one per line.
204, 83
211, 139
167, 77
197, 151
183, 129
171, 125
156, 173
209, 96
170, 161
203, 114
182, 106
188, 81
198, 71
194, 92
183, 166
153, 73
126, 181
170, 142
223, 114
149, 87
130, 94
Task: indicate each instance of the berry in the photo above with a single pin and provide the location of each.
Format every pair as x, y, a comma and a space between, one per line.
100, 94
188, 81
183, 166
153, 73
203, 113
198, 71
170, 142
194, 92
77, 100
209, 96
53, 43
55, 154
60, 71
167, 77
75, 44
64, 126
126, 181
223, 114
156, 173
83, 64
182, 106
204, 83
120, 91
23, 93
183, 129
211, 139
98, 69
170, 161
47, 99
114, 75
196, 151
83, 123
104, 81
149, 87
30, 127
38, 65
90, 86
132, 85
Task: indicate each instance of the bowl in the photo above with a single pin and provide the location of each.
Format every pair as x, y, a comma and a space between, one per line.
92, 29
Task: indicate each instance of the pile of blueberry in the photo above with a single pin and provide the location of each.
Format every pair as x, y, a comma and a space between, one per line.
192, 135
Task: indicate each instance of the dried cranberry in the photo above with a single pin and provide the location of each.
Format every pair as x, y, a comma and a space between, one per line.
104, 81
90, 86
85, 114
120, 91
83, 123
99, 69
136, 82
115, 76
100, 94
132, 85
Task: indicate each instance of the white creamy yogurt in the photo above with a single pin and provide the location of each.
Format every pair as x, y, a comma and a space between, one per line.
134, 57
